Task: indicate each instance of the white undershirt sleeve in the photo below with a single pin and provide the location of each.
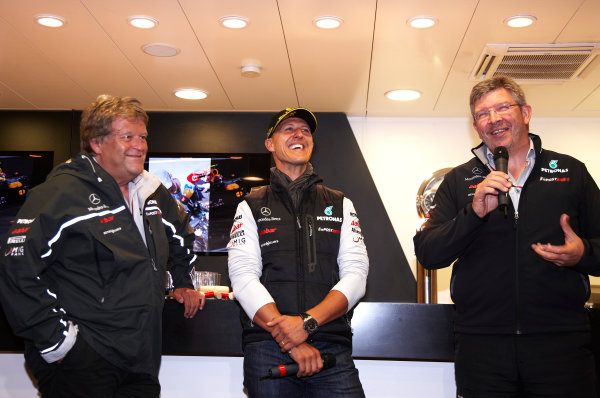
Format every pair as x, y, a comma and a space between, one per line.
245, 262
353, 261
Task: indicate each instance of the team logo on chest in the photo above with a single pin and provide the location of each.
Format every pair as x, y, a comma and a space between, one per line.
329, 215
553, 164
328, 211
94, 199
266, 215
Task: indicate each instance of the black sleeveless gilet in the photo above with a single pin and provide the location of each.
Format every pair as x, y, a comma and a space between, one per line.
299, 248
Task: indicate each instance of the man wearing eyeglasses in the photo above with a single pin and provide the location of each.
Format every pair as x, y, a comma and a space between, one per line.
520, 279
83, 275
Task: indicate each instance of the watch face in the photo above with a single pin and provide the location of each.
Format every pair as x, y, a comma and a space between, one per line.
310, 323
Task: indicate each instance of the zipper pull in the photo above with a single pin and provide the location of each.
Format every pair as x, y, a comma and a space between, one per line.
298, 221
516, 216
154, 265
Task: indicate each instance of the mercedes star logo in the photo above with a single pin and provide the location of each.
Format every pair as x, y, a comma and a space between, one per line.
95, 199
265, 211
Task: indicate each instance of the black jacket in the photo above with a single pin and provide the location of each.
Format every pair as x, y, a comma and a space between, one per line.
499, 284
79, 257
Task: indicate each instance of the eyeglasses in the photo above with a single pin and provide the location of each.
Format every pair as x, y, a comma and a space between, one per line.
500, 109
129, 138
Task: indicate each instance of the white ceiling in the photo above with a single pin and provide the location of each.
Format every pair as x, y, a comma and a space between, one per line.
344, 70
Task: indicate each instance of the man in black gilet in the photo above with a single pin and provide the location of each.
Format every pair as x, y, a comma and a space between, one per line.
298, 265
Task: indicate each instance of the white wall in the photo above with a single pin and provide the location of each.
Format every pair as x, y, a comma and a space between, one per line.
402, 152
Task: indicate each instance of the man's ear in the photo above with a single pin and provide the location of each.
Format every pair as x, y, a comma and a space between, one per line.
96, 145
269, 145
526, 111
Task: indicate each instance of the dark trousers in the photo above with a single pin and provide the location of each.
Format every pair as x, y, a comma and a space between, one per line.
84, 373
557, 365
339, 381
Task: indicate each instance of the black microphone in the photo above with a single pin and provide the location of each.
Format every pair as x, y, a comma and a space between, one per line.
291, 369
501, 161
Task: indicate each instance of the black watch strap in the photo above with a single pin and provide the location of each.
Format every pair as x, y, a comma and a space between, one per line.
310, 324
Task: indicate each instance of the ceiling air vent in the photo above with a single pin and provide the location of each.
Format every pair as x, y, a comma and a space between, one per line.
535, 63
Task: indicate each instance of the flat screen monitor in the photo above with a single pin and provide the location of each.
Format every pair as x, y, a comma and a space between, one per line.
19, 172
210, 186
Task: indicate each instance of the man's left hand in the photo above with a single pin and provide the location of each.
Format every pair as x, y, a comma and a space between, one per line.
566, 255
288, 331
191, 299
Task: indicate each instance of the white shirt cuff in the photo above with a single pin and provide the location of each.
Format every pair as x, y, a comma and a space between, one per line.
55, 353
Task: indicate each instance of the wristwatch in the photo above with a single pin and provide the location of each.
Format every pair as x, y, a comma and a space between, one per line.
310, 324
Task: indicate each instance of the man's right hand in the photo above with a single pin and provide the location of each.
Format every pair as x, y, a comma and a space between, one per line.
192, 300
486, 194
288, 331
308, 359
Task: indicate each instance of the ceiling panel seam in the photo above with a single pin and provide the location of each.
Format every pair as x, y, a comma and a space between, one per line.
9, 88
462, 40
205, 54
366, 112
122, 53
569, 21
287, 50
46, 58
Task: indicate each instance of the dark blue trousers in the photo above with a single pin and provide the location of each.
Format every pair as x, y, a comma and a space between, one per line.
339, 381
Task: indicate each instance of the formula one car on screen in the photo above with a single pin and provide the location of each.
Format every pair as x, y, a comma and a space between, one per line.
13, 188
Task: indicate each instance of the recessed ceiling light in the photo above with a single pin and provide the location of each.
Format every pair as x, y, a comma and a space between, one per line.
422, 21
520, 21
50, 21
191, 94
234, 22
142, 22
160, 50
403, 95
328, 22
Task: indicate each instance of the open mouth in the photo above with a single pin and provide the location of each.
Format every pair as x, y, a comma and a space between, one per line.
498, 131
296, 146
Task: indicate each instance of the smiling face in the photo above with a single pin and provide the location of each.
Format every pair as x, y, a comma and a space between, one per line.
509, 128
291, 146
123, 151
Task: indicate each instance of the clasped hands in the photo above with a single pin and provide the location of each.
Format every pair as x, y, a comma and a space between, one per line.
288, 332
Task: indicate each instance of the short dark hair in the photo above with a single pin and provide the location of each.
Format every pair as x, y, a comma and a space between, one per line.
97, 118
494, 83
